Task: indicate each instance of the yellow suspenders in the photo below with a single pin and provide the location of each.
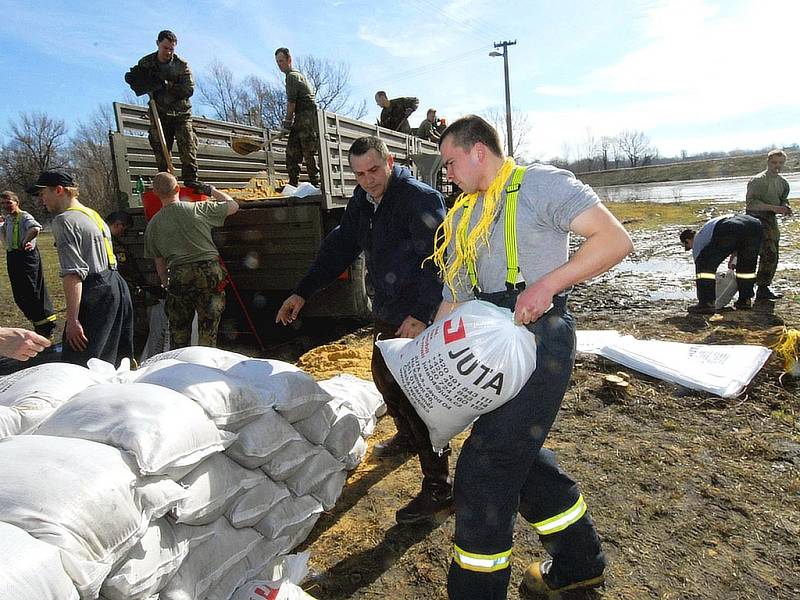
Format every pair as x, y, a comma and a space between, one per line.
92, 214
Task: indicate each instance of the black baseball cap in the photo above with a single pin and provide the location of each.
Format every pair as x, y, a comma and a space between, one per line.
51, 179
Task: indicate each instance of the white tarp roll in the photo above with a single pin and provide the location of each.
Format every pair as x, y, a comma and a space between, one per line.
723, 370
469, 363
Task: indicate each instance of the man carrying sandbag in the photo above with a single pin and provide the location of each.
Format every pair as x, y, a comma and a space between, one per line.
392, 218
525, 216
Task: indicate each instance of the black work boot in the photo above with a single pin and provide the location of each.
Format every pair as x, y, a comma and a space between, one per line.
396, 445
426, 507
764, 293
743, 304
701, 309
537, 580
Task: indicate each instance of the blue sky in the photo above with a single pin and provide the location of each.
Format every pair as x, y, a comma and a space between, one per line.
693, 75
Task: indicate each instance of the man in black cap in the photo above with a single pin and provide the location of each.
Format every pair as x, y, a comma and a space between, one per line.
99, 321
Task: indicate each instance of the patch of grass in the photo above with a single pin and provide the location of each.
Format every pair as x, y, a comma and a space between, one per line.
652, 215
10, 314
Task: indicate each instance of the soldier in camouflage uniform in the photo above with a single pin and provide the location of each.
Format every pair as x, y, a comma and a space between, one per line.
168, 79
767, 196
300, 120
396, 111
178, 238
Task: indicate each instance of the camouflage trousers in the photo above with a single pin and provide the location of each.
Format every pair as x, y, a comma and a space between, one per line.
176, 129
768, 255
197, 286
301, 146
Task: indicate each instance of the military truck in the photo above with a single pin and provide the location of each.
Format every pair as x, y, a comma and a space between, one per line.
270, 243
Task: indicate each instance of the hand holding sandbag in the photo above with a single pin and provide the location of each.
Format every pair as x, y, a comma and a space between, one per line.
467, 364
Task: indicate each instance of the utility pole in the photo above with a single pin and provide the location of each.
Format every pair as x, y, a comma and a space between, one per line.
504, 54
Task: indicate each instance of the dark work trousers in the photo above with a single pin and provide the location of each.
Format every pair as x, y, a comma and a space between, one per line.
503, 469
30, 292
409, 424
106, 315
769, 252
176, 129
740, 234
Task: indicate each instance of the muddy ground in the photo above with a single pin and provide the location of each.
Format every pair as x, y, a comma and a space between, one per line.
694, 496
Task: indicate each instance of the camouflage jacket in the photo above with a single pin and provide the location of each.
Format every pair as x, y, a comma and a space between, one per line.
172, 98
396, 114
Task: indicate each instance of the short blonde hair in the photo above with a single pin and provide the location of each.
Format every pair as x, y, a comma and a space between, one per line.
165, 184
776, 152
71, 192
9, 195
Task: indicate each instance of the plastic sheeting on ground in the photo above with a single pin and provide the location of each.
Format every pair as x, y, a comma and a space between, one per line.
719, 369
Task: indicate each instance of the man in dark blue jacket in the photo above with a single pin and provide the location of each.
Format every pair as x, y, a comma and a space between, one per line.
392, 218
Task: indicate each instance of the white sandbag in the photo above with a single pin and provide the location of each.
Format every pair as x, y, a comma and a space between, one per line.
206, 564
334, 425
283, 575
158, 339
726, 288
315, 470
10, 421
724, 370
159, 495
469, 363
164, 430
230, 402
260, 556
149, 564
290, 458
253, 505
289, 516
34, 393
356, 454
297, 395
259, 440
329, 489
76, 495
31, 569
361, 395
212, 486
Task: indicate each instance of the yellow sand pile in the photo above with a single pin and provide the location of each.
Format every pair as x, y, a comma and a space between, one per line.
257, 188
329, 360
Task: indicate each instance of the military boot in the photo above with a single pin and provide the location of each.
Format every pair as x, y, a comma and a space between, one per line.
426, 507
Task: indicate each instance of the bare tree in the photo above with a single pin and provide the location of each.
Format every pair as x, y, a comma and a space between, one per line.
332, 82
36, 143
90, 154
520, 127
604, 146
254, 101
635, 145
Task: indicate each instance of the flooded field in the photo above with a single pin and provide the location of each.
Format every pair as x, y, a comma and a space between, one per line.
731, 189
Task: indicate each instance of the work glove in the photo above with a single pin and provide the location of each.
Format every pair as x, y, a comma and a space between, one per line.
143, 81
201, 188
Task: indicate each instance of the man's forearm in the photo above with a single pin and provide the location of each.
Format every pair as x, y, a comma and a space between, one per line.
161, 269
30, 235
73, 291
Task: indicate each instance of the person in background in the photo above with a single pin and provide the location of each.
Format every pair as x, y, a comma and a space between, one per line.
427, 129
767, 197
396, 111
19, 231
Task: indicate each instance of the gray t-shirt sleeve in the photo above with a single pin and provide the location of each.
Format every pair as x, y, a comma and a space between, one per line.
68, 245
28, 222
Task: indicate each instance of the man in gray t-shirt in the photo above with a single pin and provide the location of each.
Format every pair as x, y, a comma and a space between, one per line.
503, 467
99, 322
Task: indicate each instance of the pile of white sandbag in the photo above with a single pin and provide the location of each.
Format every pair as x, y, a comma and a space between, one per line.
179, 481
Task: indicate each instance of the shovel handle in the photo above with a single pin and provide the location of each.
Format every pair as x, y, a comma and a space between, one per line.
156, 121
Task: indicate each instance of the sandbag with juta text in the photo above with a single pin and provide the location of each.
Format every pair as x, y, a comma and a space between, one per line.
466, 364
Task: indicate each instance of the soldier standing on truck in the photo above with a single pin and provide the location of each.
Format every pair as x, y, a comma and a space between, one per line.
396, 111
178, 239
391, 218
99, 322
767, 197
300, 120
168, 79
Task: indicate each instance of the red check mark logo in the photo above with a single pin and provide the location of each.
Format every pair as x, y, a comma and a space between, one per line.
450, 334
